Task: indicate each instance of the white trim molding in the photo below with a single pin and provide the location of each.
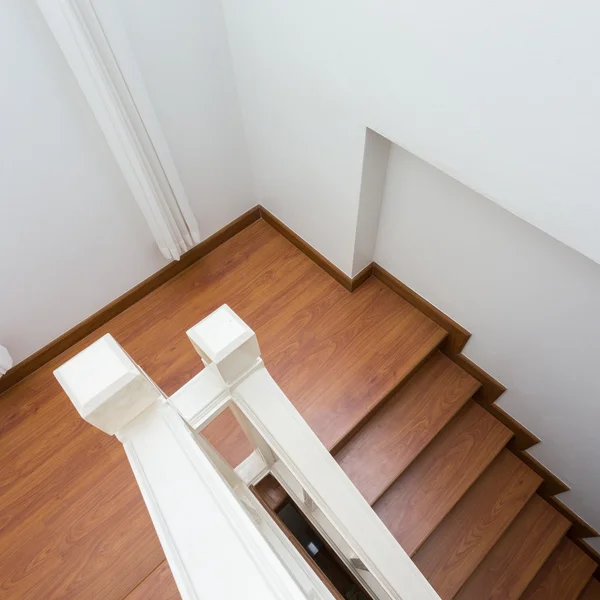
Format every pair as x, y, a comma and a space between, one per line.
93, 40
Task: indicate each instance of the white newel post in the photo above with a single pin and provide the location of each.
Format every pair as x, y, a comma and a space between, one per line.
288, 448
218, 539
213, 547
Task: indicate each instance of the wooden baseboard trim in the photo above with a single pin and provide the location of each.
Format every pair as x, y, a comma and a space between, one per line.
579, 528
359, 279
129, 298
522, 437
458, 336
307, 249
490, 389
551, 485
486, 396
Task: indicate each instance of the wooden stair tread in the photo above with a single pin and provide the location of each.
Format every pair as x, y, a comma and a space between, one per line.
517, 557
563, 576
425, 493
409, 420
333, 410
469, 532
591, 591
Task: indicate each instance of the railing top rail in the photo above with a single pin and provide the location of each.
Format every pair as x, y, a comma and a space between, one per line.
190, 490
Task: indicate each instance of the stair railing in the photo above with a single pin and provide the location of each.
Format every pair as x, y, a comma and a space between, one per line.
218, 539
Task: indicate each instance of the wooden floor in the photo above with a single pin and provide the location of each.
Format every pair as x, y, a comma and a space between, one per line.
72, 520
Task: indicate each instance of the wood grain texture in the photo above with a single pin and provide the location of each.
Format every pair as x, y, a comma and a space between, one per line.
551, 485
403, 427
426, 492
354, 339
591, 591
314, 254
73, 522
512, 564
469, 532
486, 395
159, 585
591, 552
333, 437
490, 390
458, 335
129, 298
579, 528
563, 576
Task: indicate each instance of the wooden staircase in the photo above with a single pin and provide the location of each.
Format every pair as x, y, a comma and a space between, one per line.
436, 468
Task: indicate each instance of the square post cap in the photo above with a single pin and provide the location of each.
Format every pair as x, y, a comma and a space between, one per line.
106, 387
224, 339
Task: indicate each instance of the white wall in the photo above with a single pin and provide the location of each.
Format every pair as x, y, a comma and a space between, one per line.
182, 51
372, 185
71, 236
530, 302
503, 96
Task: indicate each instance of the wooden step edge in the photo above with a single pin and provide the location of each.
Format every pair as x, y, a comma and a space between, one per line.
274, 495
579, 528
523, 438
491, 389
385, 398
465, 491
566, 530
591, 591
534, 572
458, 336
554, 547
399, 474
486, 396
537, 481
481, 558
270, 490
565, 574
551, 484
591, 552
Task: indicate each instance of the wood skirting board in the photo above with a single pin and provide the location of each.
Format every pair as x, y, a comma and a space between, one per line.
486, 396
129, 298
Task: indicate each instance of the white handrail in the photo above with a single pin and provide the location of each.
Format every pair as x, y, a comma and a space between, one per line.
218, 541
218, 498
